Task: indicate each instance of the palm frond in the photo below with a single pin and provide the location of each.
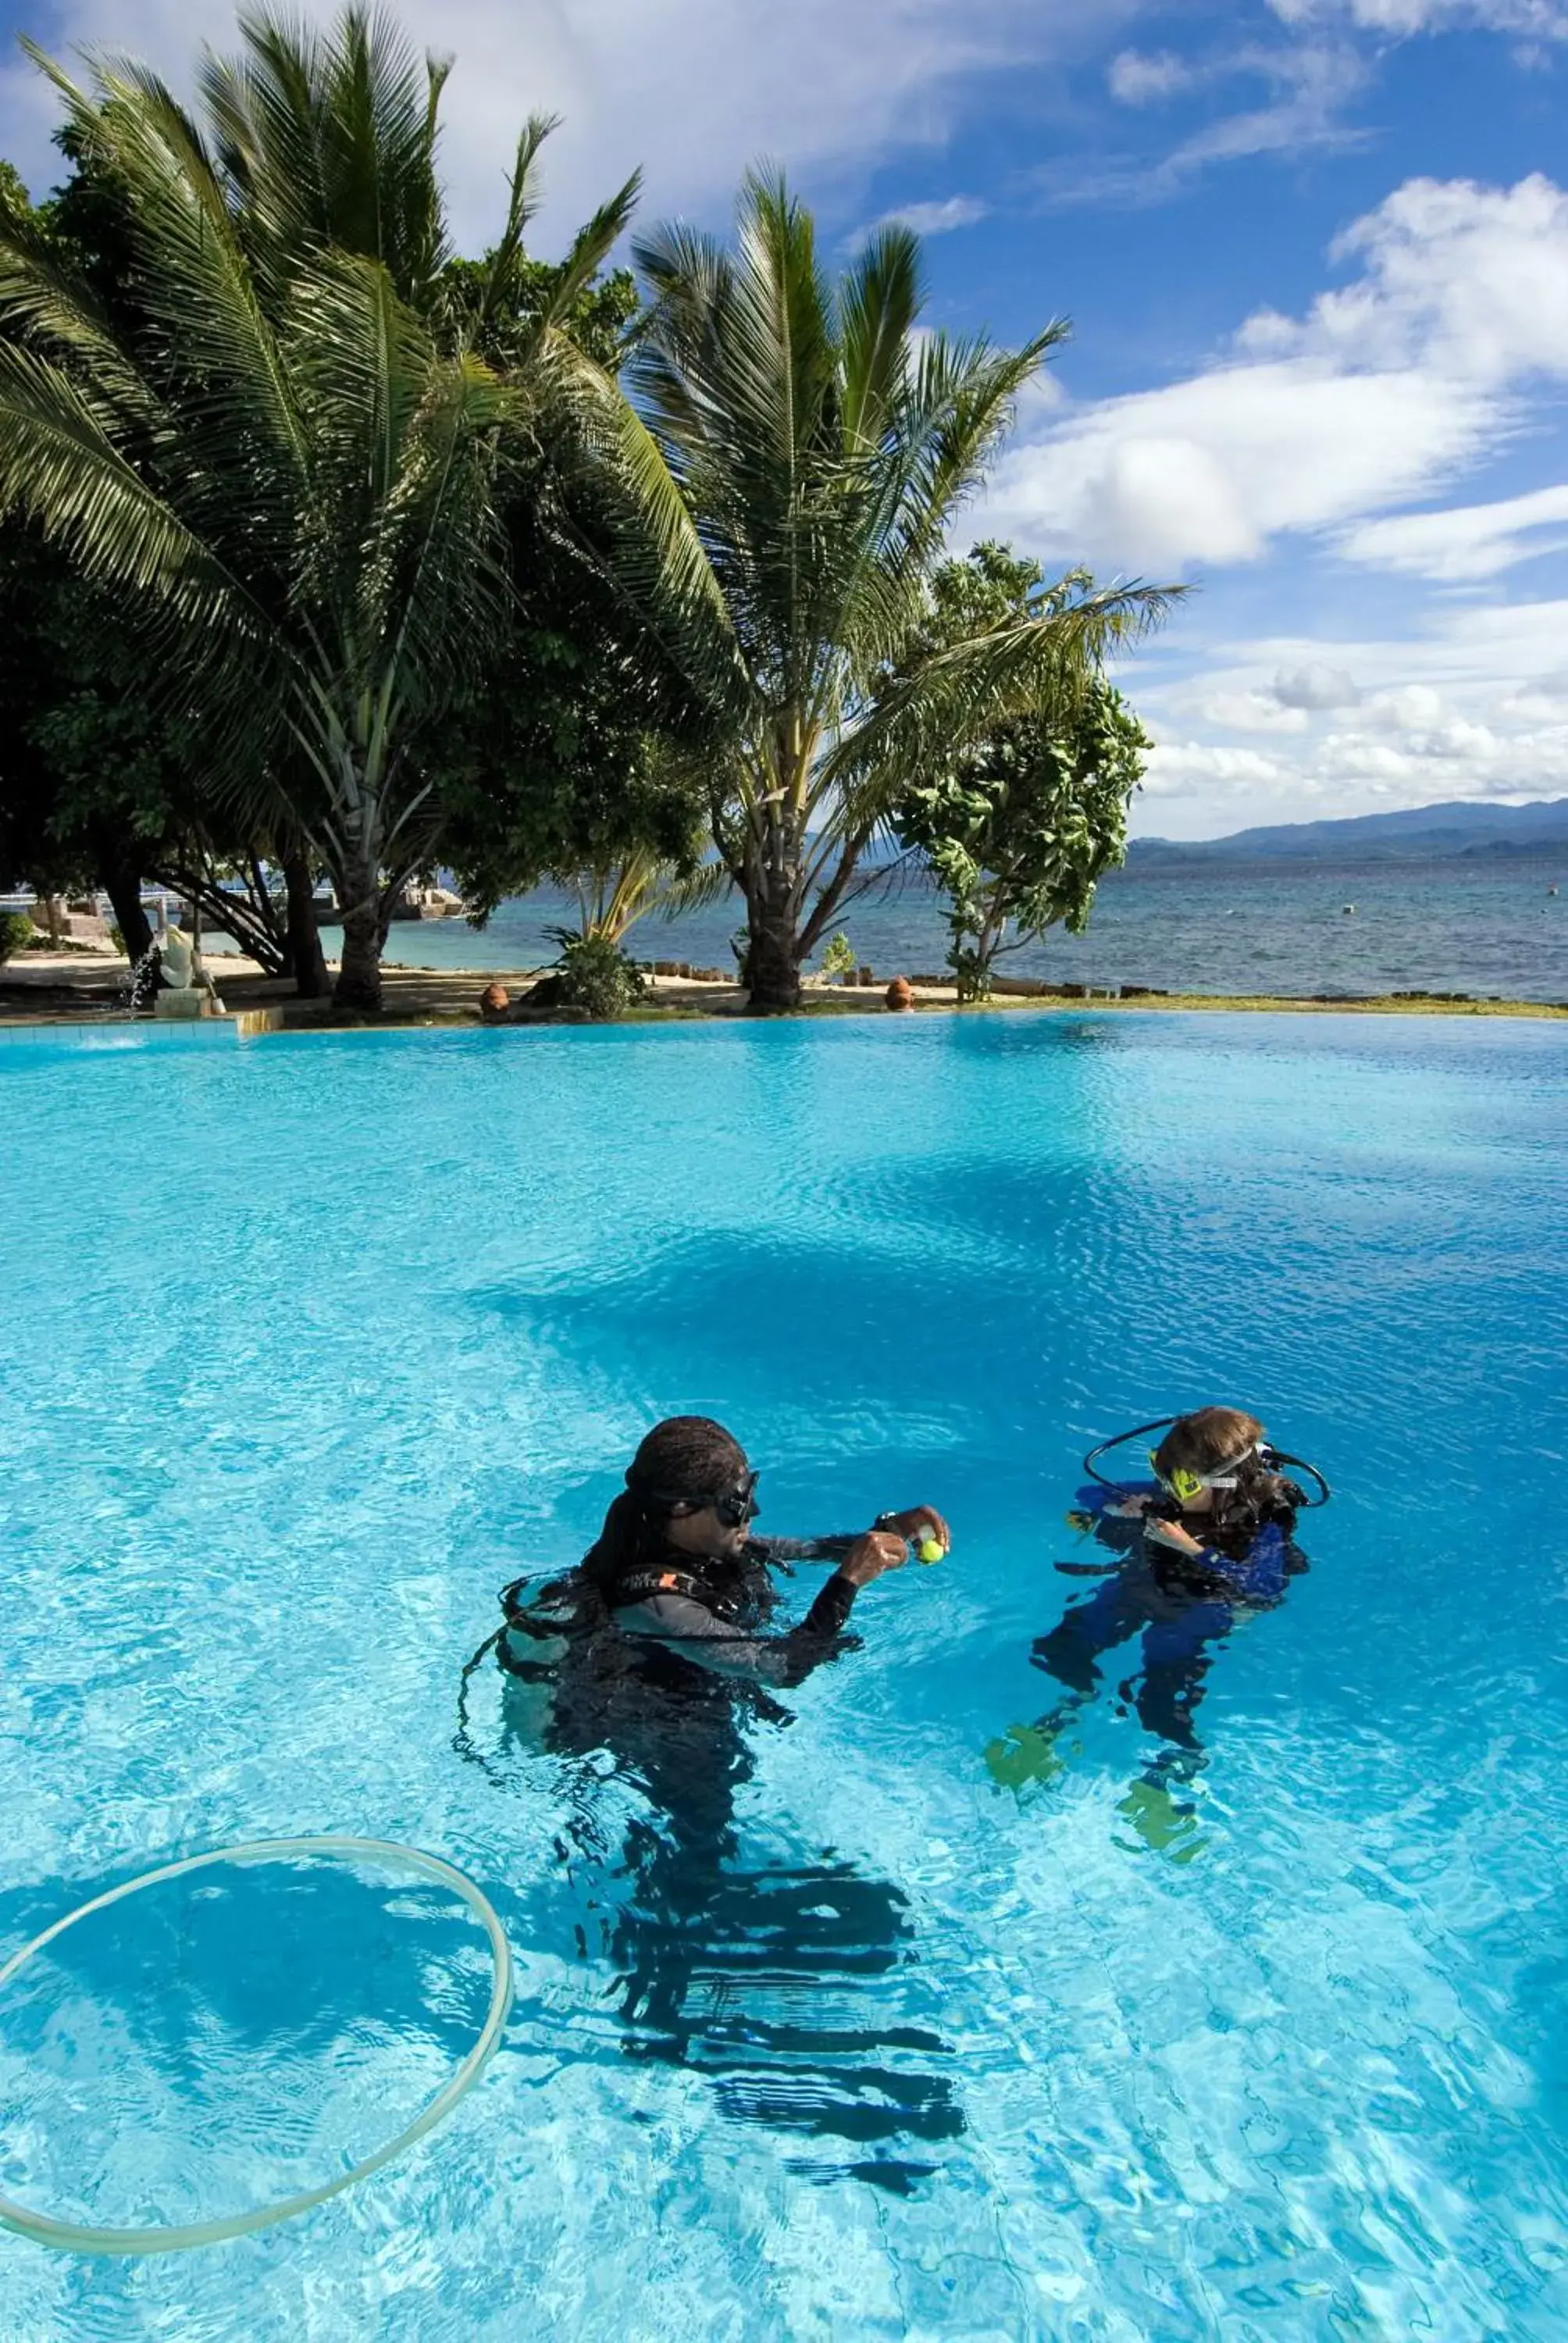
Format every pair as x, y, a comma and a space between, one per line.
706, 885
59, 464
329, 138
49, 304
522, 203
879, 305
654, 557
956, 696
195, 285
590, 248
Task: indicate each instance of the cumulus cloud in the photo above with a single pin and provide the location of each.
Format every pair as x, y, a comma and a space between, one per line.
1467, 280
1211, 470
1383, 392
1473, 704
1315, 686
1251, 711
1175, 767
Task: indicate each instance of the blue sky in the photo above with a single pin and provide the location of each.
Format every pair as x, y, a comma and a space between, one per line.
1315, 255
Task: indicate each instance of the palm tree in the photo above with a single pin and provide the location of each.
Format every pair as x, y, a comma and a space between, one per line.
821, 448
287, 457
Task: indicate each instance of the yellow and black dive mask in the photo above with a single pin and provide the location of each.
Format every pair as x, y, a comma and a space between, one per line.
1184, 1487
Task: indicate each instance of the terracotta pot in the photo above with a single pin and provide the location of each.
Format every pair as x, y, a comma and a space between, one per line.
901, 993
494, 1002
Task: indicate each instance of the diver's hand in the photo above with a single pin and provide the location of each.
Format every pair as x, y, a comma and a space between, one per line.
919, 1522
871, 1554
1130, 1509
1173, 1534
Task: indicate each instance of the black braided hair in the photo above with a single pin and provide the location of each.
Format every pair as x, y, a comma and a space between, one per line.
682, 1460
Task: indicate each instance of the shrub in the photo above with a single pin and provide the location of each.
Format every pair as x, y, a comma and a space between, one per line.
15, 934
597, 975
839, 957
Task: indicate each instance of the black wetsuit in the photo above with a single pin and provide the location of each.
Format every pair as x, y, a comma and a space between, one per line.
764, 1976
715, 1611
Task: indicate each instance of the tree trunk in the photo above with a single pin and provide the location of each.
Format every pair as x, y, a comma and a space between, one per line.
358, 883
359, 982
309, 971
773, 959
123, 886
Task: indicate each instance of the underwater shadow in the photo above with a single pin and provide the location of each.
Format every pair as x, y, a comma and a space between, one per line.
777, 1981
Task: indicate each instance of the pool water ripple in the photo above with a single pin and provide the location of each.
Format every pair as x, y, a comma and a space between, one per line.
825, 2025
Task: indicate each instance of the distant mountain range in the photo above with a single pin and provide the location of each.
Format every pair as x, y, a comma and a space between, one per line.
1420, 834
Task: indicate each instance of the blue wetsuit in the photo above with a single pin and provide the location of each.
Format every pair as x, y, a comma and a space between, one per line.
1185, 1606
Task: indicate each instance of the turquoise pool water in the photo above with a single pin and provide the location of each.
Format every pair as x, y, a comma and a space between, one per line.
821, 2030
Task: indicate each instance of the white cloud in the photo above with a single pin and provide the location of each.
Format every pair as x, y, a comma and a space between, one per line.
1211, 470
1472, 705
1251, 711
1174, 765
936, 218
1466, 541
694, 89
1383, 392
1467, 280
1315, 686
1534, 19
1134, 79
1314, 83
1412, 708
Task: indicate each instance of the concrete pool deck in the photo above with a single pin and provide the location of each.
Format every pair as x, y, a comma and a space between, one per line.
46, 990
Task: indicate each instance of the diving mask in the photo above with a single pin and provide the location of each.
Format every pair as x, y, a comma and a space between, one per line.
1184, 1487
735, 1507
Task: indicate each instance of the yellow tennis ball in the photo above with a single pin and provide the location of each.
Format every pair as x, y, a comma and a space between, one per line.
930, 1549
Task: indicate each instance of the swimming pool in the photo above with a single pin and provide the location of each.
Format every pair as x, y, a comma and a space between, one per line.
313, 1345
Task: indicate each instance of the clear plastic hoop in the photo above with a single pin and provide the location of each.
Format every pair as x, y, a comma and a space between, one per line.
71, 2237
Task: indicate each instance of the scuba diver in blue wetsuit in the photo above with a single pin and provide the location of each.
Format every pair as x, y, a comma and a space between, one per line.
1212, 1542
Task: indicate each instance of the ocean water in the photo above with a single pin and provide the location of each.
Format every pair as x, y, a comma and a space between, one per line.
870, 2009
1481, 929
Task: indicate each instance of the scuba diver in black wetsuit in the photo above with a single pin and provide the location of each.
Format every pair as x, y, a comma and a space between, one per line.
677, 1560
660, 1650
1212, 1543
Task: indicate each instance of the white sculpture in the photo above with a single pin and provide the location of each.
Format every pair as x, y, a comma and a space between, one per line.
177, 955
188, 990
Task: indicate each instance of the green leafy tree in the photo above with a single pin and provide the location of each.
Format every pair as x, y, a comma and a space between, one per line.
821, 446
98, 785
286, 458
1020, 824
